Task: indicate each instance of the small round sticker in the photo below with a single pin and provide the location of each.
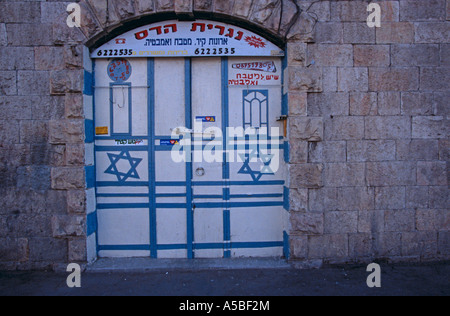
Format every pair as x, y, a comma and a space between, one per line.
119, 70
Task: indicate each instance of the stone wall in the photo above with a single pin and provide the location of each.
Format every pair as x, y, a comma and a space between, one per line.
368, 129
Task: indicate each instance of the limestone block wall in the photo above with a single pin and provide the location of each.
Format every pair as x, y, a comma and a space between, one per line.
368, 124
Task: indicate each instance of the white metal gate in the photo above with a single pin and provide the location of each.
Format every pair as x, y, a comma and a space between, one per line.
189, 157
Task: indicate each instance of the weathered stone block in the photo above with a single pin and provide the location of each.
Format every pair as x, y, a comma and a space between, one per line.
77, 251
298, 152
329, 81
390, 173
399, 220
355, 198
106, 13
417, 149
20, 12
360, 246
434, 32
306, 176
66, 81
387, 127
33, 83
418, 10
393, 79
13, 249
431, 173
328, 151
8, 83
329, 33
47, 249
370, 221
64, 178
363, 103
444, 243
75, 154
430, 127
328, 246
124, 8
422, 244
203, 5
307, 223
344, 128
372, 55
415, 55
298, 200
435, 79
328, 103
297, 54
390, 198
389, 103
306, 129
432, 220
387, 244
305, 79
417, 103
344, 174
323, 199
33, 132
33, 177
24, 34
348, 11
3, 37
299, 247
358, 33
395, 32
15, 107
444, 149
416, 197
298, 103
66, 131
353, 79
439, 197
16, 58
9, 132
331, 55
76, 201
370, 150
68, 226
341, 222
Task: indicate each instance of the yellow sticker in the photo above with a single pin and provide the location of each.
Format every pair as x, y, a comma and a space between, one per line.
103, 130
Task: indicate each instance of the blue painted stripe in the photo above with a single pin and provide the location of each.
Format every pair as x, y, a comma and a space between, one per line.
183, 184
102, 184
287, 148
88, 88
90, 176
120, 148
116, 195
225, 115
286, 202
226, 233
203, 205
286, 246
199, 246
89, 131
151, 156
91, 223
189, 175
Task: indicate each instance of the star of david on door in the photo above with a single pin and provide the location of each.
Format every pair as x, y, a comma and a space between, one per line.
265, 170
125, 170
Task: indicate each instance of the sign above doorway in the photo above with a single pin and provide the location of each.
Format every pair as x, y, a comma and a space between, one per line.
200, 38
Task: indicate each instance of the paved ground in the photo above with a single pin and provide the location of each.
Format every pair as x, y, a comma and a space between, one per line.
258, 280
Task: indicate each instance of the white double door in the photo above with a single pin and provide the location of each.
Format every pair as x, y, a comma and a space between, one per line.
176, 175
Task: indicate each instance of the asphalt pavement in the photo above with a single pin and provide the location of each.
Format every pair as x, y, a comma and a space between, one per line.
233, 280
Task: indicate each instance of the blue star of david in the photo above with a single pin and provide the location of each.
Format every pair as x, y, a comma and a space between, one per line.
256, 175
122, 177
